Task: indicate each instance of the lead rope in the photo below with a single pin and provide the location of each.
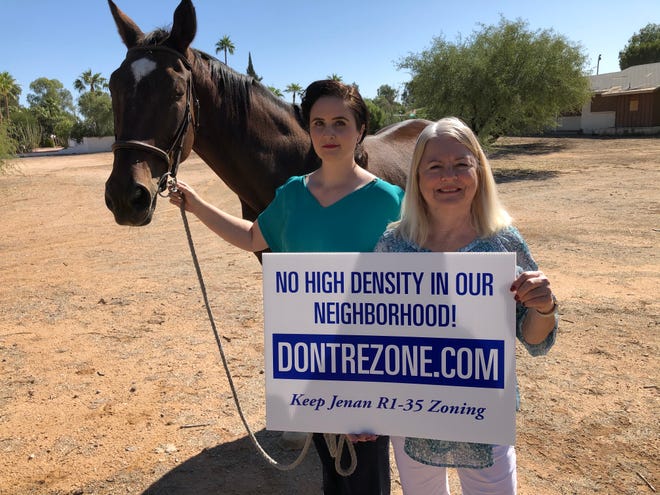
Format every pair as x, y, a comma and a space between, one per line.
335, 445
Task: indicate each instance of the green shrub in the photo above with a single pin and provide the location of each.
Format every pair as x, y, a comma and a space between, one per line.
7, 145
25, 130
26, 133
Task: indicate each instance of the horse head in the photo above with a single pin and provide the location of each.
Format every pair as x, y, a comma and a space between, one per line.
154, 106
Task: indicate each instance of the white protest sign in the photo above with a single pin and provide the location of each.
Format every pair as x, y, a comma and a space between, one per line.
411, 344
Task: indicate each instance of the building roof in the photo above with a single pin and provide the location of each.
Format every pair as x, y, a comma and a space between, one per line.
636, 79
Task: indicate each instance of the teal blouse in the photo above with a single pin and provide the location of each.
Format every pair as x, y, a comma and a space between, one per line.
295, 221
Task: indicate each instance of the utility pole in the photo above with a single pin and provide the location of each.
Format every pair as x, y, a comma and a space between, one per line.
598, 64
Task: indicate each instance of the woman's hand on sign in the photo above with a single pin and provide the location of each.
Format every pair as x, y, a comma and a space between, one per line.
532, 290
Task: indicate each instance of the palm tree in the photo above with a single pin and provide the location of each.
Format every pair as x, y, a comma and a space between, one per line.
94, 81
295, 89
225, 45
275, 91
335, 77
9, 90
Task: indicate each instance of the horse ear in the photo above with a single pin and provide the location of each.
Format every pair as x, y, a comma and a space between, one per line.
130, 33
184, 27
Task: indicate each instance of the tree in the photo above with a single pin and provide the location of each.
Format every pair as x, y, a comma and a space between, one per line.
642, 48
376, 116
250, 69
276, 91
391, 110
94, 81
96, 109
52, 105
387, 93
9, 93
95, 106
225, 45
294, 89
335, 77
503, 79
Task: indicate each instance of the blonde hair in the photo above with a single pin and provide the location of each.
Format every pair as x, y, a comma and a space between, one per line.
487, 214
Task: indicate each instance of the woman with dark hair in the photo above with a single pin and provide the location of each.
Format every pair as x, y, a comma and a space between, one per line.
339, 207
353, 101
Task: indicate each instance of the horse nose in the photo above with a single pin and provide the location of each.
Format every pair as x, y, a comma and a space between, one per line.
141, 198
138, 200
108, 200
130, 206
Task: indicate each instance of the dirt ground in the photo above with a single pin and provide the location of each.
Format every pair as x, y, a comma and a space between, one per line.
111, 382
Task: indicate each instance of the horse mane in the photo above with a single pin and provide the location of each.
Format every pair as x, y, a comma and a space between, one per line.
156, 37
236, 89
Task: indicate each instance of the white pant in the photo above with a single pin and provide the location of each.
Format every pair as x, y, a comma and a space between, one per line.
421, 479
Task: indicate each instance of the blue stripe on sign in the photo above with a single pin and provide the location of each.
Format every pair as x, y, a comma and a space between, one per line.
369, 358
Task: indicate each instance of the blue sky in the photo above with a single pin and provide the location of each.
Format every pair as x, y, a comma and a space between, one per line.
292, 41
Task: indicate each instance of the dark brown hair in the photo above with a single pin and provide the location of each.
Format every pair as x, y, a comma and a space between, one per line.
352, 97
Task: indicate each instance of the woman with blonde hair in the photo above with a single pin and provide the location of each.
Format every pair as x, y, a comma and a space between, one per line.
451, 204
487, 214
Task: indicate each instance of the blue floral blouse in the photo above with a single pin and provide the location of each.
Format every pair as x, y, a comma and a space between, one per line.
464, 454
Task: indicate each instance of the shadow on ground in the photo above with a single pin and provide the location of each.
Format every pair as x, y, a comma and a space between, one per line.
236, 468
529, 149
520, 174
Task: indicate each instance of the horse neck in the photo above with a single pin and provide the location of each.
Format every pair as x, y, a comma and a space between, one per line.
252, 141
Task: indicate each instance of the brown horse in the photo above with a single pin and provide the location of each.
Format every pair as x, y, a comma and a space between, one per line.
168, 99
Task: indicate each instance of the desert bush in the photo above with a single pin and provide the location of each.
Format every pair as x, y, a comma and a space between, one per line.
7, 145
26, 134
